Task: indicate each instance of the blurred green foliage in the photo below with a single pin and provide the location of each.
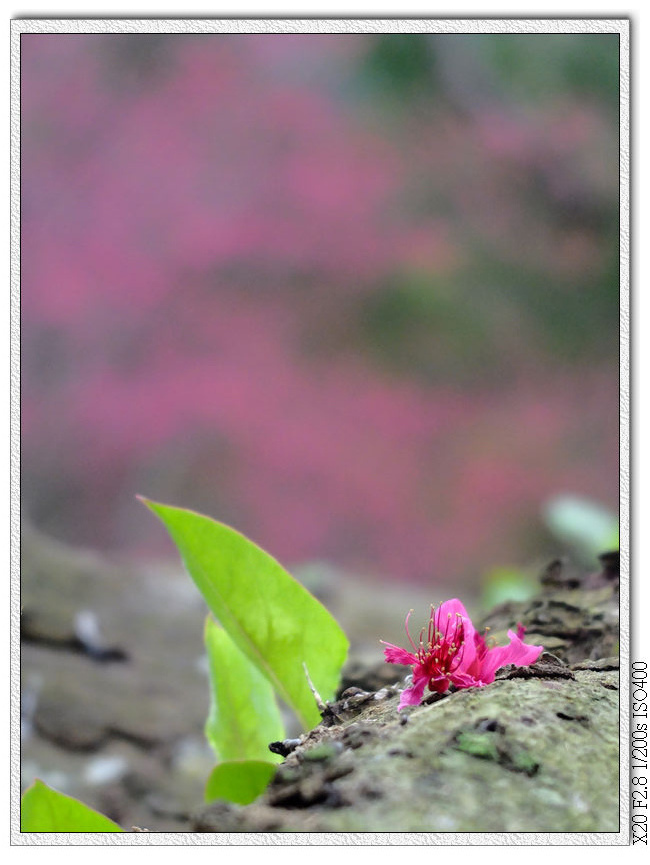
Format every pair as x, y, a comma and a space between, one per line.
583, 528
400, 64
559, 185
548, 64
586, 527
525, 65
506, 584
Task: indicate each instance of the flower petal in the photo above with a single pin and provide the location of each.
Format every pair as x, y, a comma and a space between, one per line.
439, 684
468, 651
517, 652
396, 655
453, 607
466, 680
412, 696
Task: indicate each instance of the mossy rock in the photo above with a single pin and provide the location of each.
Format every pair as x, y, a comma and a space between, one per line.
519, 755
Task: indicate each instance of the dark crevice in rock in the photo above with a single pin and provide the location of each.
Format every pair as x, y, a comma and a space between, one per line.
83, 743
539, 670
145, 743
580, 719
99, 654
601, 664
88, 739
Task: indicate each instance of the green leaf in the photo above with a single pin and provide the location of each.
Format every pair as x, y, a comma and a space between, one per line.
271, 618
43, 809
244, 717
506, 584
587, 526
240, 781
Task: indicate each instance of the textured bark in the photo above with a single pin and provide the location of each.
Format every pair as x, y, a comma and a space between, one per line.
536, 751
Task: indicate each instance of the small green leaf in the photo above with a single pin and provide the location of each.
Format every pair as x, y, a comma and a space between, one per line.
506, 584
244, 716
240, 781
587, 526
43, 809
271, 618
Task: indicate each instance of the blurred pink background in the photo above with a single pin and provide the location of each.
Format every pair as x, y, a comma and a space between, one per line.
355, 295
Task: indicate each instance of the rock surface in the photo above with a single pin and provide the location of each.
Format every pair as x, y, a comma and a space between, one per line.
115, 696
113, 692
536, 751
522, 755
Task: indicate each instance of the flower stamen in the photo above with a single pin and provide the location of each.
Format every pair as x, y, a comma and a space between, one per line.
455, 653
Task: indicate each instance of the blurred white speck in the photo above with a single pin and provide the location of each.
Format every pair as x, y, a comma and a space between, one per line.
550, 797
445, 823
193, 757
202, 664
29, 769
87, 628
104, 769
579, 804
28, 703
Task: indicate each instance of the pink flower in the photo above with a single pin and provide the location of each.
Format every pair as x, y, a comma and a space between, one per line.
455, 653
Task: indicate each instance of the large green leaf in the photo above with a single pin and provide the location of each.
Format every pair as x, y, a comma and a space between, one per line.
272, 619
244, 716
43, 809
240, 781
